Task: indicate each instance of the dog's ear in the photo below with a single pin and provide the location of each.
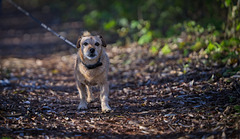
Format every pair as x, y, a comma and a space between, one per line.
103, 41
78, 45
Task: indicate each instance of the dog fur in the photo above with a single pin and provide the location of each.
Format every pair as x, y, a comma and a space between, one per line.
85, 77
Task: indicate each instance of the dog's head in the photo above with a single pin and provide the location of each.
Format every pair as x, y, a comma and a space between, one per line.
90, 46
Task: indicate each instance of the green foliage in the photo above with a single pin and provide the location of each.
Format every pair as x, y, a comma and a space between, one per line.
227, 3
192, 27
185, 52
137, 30
146, 38
185, 68
197, 46
90, 19
162, 15
212, 26
166, 49
140, 20
238, 27
224, 51
232, 25
81, 8
211, 47
237, 108
175, 30
109, 25
6, 138
232, 71
154, 49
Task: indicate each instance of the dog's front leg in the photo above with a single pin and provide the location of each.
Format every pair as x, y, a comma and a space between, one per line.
90, 97
82, 92
104, 97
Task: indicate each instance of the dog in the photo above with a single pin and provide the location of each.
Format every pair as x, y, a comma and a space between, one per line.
91, 68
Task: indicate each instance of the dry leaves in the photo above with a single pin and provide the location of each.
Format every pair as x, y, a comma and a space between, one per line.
41, 100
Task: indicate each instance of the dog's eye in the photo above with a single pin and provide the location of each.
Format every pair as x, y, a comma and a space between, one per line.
97, 44
85, 43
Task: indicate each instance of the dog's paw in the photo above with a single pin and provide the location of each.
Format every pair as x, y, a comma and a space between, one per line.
90, 99
82, 105
106, 109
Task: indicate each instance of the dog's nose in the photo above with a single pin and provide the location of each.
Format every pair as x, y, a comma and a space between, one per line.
92, 50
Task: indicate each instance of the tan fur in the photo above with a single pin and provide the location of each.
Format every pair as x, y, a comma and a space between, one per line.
85, 78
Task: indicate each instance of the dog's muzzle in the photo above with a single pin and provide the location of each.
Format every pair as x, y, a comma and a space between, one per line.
92, 52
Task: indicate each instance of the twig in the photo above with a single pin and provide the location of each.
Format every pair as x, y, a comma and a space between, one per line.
183, 125
171, 128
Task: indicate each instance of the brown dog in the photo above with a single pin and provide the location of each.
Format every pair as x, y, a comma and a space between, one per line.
91, 68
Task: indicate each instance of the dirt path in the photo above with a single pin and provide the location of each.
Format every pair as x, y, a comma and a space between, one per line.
152, 96
148, 101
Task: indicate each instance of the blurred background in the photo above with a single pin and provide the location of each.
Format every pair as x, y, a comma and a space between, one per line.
192, 25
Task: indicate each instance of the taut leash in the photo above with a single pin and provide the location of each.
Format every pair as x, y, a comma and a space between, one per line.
40, 23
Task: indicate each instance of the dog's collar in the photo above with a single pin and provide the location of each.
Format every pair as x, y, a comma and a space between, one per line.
93, 66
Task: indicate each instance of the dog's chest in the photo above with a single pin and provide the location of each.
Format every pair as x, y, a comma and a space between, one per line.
91, 76
90, 83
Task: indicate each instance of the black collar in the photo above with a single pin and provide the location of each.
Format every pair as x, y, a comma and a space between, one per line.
93, 66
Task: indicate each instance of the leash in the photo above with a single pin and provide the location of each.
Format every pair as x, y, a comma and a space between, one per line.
40, 23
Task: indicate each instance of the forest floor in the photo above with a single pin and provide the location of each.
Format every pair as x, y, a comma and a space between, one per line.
152, 96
